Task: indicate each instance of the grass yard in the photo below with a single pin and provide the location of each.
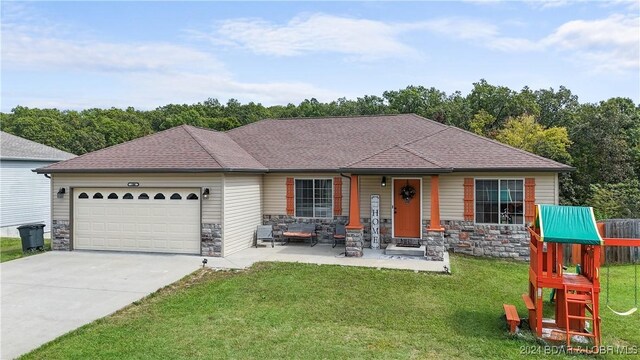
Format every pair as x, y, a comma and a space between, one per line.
284, 310
11, 249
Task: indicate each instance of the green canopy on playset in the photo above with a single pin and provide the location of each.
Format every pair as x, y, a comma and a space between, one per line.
567, 224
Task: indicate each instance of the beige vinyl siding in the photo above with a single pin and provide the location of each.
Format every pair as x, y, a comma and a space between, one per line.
242, 212
274, 192
370, 184
452, 190
211, 208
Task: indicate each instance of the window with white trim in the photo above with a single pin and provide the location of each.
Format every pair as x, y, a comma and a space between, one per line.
499, 201
314, 198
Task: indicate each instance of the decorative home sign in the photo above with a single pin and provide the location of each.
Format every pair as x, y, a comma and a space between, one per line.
375, 221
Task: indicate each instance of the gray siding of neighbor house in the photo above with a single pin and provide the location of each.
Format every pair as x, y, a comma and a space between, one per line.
24, 195
242, 211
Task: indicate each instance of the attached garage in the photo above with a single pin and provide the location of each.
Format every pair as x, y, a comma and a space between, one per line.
163, 220
185, 190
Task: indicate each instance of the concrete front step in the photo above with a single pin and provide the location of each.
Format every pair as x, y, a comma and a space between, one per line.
393, 249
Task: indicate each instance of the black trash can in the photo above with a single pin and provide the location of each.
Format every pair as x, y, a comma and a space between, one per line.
32, 236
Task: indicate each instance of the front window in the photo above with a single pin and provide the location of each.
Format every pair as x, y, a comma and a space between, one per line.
499, 202
314, 198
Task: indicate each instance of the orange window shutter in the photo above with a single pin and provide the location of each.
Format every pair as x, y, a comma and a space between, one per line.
529, 199
468, 199
337, 196
290, 191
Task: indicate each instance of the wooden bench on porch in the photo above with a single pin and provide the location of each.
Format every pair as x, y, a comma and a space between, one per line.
301, 231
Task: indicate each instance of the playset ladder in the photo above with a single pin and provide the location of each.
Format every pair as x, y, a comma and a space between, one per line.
584, 297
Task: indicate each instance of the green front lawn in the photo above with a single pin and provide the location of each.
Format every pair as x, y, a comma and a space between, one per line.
283, 310
11, 248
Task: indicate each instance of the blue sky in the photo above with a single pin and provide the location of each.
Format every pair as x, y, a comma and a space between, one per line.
75, 55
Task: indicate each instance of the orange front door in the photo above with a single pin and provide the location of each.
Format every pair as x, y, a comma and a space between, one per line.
406, 208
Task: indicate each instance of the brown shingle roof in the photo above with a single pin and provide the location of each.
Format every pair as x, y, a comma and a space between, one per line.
351, 144
183, 148
463, 150
328, 143
405, 141
397, 158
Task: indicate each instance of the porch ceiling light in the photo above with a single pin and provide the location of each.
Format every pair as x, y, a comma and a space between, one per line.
205, 193
383, 183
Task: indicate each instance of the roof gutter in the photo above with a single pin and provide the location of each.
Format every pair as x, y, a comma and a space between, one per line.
540, 169
125, 170
387, 171
360, 171
9, 158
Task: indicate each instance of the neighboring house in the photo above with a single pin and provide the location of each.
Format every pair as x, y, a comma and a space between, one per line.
198, 191
25, 197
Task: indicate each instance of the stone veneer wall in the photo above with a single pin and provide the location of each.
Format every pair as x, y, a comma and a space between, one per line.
503, 241
385, 232
465, 237
325, 228
434, 240
354, 243
60, 235
211, 240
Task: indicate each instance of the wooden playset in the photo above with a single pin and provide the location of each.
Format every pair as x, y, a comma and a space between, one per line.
577, 310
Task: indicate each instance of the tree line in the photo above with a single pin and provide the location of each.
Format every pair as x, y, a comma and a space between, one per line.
601, 140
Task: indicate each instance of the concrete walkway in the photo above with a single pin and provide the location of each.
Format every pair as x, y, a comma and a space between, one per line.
325, 254
45, 296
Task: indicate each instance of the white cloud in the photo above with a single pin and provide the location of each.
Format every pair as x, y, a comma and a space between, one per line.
32, 51
141, 74
315, 33
360, 38
610, 44
549, 4
461, 28
479, 32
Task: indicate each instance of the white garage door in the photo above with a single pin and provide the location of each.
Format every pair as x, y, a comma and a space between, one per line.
144, 219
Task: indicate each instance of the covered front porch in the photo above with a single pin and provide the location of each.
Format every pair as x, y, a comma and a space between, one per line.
325, 254
372, 212
396, 210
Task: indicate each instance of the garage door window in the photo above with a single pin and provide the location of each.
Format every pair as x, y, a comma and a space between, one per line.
192, 196
143, 196
112, 196
98, 196
127, 196
176, 196
159, 196
83, 196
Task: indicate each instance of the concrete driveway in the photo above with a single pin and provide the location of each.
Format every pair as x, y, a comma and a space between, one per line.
45, 296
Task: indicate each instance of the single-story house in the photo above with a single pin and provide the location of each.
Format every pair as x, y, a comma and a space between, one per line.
199, 191
25, 197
